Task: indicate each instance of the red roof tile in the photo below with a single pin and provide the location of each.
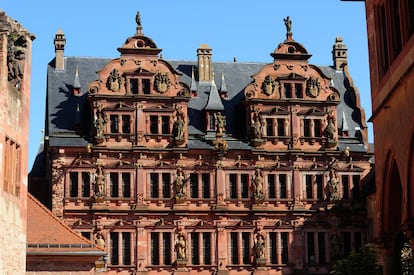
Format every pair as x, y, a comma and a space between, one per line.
45, 232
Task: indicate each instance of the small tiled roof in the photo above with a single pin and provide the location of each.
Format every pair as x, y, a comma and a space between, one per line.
46, 234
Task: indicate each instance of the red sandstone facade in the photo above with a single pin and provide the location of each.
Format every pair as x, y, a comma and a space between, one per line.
158, 165
391, 51
15, 66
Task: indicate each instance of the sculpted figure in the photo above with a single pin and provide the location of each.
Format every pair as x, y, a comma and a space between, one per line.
180, 247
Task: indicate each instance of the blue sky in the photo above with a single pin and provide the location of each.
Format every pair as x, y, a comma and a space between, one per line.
247, 30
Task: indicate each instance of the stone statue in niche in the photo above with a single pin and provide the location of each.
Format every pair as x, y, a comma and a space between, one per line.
162, 82
16, 54
329, 132
100, 123
99, 240
332, 192
260, 246
257, 125
179, 186
220, 121
99, 195
113, 82
180, 247
313, 87
257, 186
178, 128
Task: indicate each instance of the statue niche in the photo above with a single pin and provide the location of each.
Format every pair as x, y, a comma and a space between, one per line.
100, 123
162, 82
16, 54
99, 195
179, 185
178, 128
329, 132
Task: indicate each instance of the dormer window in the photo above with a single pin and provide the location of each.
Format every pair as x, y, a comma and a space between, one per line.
140, 86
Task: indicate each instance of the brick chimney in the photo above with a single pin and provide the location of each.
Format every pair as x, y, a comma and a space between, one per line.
339, 53
60, 42
205, 70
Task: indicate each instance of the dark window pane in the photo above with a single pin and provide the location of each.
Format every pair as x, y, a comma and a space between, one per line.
319, 187
166, 239
154, 185
207, 248
86, 185
126, 185
146, 86
306, 128
133, 83
114, 185
298, 90
282, 186
281, 127
284, 238
234, 248
321, 247
311, 247
345, 187
269, 127
165, 127
126, 239
166, 183
244, 186
272, 247
246, 247
114, 248
233, 186
154, 124
271, 186
309, 187
206, 185
155, 250
194, 185
195, 247
73, 177
126, 124
317, 128
114, 123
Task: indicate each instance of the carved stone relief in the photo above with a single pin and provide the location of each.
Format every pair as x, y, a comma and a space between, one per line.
313, 87
270, 87
113, 82
16, 54
162, 82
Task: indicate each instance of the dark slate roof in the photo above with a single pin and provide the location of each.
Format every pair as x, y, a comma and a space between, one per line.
62, 104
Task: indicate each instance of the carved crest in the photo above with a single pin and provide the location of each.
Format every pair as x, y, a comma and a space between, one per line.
313, 87
162, 82
114, 81
268, 85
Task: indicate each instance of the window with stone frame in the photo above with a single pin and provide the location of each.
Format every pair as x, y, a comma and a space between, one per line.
279, 248
140, 85
201, 244
316, 247
238, 186
12, 165
159, 124
120, 184
80, 184
161, 248
121, 251
200, 186
276, 126
120, 123
240, 247
278, 186
312, 127
314, 186
160, 185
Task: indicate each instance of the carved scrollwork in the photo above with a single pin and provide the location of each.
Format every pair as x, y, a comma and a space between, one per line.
93, 90
162, 82
113, 82
249, 93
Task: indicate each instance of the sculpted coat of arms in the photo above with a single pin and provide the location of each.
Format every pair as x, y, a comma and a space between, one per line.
162, 82
313, 86
270, 86
114, 81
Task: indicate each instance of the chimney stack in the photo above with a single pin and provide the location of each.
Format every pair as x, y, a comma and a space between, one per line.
339, 53
60, 42
205, 70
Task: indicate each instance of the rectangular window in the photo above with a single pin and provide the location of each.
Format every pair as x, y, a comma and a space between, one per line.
288, 90
146, 86
126, 185
319, 187
308, 186
284, 242
155, 248
234, 248
345, 187
126, 245
282, 186
205, 180
311, 247
133, 85
207, 248
114, 119
244, 186
154, 125
126, 122
114, 184
165, 125
233, 186
154, 185
306, 128
355, 187
346, 237
281, 127
298, 90
317, 128
321, 247
194, 185
271, 186
195, 248
73, 185
86, 235
166, 241
114, 248
246, 247
166, 185
269, 127
86, 185
273, 247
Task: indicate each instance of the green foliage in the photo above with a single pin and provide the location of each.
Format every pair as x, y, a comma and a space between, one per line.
363, 262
